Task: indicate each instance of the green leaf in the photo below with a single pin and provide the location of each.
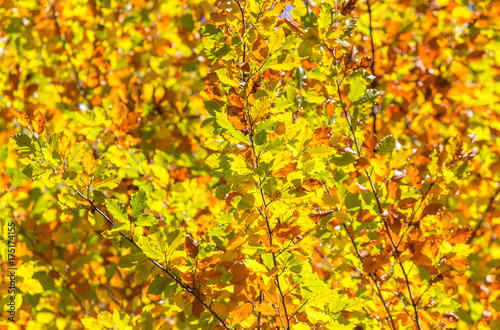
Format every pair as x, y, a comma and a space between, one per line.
22, 143
117, 209
343, 160
158, 285
387, 145
75, 157
284, 65
33, 171
109, 182
102, 166
356, 90
138, 203
146, 220
150, 248
222, 74
174, 240
4, 152
130, 260
211, 31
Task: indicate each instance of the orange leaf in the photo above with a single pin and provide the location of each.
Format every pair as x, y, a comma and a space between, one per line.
265, 309
88, 162
22, 118
284, 171
366, 62
365, 216
394, 190
321, 136
260, 49
330, 108
66, 216
63, 145
38, 122
241, 313
459, 235
458, 263
237, 117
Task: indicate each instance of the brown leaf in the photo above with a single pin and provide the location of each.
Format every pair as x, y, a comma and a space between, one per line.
431, 209
351, 58
407, 203
256, 83
374, 262
361, 164
38, 122
191, 247
421, 260
348, 7
330, 108
280, 128
198, 308
311, 184
395, 220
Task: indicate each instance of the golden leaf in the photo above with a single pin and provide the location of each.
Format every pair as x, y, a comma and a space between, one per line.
22, 118
241, 313
88, 162
66, 216
38, 122
64, 145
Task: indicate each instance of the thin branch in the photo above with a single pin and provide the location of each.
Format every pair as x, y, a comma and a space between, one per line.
360, 257
165, 270
380, 209
480, 223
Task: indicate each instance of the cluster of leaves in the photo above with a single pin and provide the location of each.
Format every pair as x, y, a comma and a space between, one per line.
251, 164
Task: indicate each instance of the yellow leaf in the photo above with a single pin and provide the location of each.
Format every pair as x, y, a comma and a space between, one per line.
235, 242
38, 122
88, 162
64, 146
66, 216
30, 286
22, 118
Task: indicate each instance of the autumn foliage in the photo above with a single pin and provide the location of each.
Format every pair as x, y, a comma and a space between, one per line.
251, 164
